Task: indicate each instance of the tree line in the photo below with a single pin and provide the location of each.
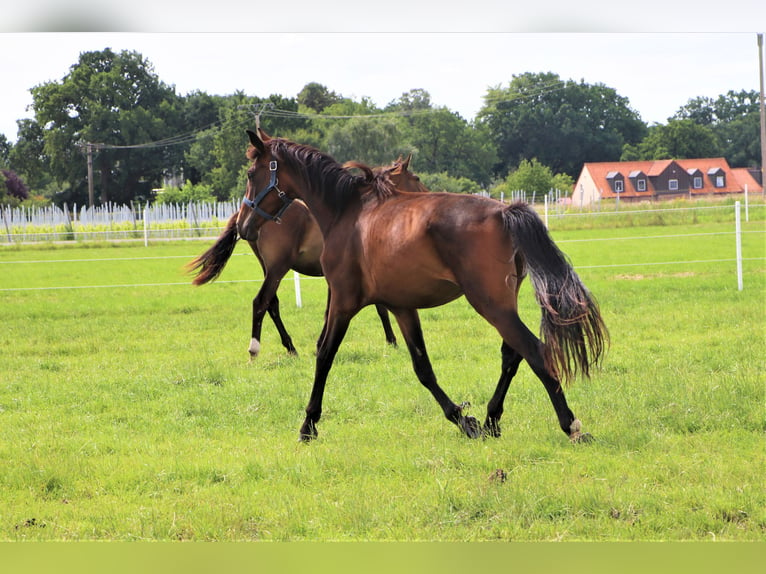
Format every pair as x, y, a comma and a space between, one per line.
534, 133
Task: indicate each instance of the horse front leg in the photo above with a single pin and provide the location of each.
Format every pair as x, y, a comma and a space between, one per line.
409, 323
336, 326
261, 303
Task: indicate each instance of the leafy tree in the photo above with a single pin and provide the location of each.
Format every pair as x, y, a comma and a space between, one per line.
28, 158
375, 141
189, 192
679, 139
562, 123
734, 119
117, 101
412, 101
5, 151
317, 97
442, 140
226, 177
444, 182
533, 177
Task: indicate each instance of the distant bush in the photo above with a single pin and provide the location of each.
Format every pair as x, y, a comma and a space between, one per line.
14, 188
444, 182
189, 192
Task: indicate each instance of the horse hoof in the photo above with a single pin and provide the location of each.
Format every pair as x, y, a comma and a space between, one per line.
308, 432
582, 438
492, 429
470, 427
254, 348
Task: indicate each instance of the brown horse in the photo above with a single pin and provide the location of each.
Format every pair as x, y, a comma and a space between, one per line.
291, 241
417, 250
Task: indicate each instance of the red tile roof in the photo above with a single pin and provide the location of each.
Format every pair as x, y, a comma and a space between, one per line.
735, 178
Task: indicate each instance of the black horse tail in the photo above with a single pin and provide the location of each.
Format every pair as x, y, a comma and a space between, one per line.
212, 261
571, 326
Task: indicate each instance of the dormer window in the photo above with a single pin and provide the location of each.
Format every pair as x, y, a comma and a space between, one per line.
717, 176
696, 178
616, 181
638, 178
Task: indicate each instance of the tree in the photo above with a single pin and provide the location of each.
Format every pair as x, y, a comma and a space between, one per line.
679, 139
412, 101
5, 151
226, 177
561, 123
442, 141
375, 141
114, 100
444, 182
317, 97
734, 119
28, 158
533, 177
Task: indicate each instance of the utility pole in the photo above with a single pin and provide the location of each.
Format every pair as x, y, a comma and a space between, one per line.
89, 151
763, 115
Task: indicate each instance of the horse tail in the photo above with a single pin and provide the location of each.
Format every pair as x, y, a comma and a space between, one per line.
571, 327
211, 263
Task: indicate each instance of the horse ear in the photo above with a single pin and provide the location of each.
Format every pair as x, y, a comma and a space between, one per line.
255, 141
406, 163
263, 135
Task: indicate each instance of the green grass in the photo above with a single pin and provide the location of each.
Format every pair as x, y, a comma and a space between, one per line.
132, 412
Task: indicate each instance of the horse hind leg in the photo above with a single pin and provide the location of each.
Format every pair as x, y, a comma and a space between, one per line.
510, 365
284, 336
386, 322
521, 343
409, 323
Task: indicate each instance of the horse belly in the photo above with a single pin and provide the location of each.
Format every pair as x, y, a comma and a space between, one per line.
413, 286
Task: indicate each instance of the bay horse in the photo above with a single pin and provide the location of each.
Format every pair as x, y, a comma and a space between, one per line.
408, 251
291, 241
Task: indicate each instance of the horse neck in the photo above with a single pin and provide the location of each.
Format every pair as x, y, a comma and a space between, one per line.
328, 190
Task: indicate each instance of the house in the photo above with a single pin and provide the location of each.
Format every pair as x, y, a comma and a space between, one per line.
661, 179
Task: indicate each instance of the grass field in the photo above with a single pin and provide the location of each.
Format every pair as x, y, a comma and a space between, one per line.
130, 412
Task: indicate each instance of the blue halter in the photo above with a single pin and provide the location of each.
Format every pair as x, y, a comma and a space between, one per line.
254, 203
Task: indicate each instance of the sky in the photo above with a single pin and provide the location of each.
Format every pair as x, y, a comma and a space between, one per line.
657, 71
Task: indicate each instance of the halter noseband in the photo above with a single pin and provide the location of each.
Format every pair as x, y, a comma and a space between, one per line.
255, 203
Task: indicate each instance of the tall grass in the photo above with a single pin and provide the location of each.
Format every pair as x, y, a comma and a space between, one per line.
132, 413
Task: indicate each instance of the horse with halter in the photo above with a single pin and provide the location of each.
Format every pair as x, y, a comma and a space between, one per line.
408, 251
290, 239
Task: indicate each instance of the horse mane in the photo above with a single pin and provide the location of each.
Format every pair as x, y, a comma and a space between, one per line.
379, 185
338, 186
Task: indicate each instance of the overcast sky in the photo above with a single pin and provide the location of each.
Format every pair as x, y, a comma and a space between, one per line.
657, 72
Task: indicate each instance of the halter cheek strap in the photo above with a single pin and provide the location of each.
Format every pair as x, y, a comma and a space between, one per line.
254, 204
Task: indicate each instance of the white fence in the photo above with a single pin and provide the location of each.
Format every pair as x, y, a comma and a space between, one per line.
109, 222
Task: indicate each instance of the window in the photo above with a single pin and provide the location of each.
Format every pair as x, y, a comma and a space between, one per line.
673, 184
697, 182
641, 185
618, 185
717, 176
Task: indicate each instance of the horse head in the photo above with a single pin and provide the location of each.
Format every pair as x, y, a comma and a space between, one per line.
264, 198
